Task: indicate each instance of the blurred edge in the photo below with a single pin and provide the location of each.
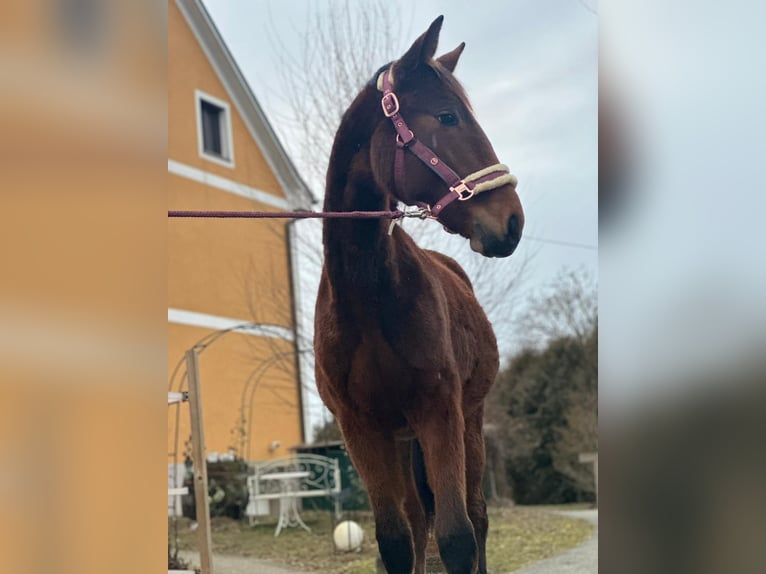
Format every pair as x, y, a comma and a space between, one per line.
82, 286
682, 390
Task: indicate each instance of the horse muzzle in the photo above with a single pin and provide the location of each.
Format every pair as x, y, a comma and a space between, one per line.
492, 244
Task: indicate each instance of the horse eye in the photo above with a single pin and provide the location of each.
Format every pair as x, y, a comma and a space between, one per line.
447, 119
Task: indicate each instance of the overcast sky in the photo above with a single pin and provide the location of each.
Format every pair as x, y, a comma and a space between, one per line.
530, 69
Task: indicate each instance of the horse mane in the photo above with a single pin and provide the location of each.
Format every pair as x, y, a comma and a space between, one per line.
355, 126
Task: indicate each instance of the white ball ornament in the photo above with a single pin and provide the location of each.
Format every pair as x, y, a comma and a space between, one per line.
348, 536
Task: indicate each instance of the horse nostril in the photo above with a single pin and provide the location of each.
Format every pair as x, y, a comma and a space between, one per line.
514, 230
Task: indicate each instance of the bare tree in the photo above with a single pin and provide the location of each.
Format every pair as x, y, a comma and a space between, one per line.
567, 307
341, 43
276, 374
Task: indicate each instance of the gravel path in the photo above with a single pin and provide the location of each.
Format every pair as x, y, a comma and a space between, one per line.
582, 559
225, 564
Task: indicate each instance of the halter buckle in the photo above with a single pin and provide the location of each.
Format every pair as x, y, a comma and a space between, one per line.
463, 191
390, 104
400, 142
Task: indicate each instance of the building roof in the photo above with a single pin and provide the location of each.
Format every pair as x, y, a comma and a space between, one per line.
298, 194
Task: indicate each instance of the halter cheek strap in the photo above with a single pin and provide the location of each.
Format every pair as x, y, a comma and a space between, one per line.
460, 189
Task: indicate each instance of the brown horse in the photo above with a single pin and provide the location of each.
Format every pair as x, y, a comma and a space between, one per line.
404, 353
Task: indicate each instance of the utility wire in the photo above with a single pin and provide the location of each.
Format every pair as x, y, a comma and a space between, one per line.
572, 244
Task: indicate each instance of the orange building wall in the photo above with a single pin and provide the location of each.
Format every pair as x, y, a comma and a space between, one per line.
236, 269
233, 268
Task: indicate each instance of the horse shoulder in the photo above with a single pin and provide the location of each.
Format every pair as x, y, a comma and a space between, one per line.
450, 264
474, 339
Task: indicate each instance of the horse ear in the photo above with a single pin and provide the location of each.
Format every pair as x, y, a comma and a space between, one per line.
449, 60
423, 49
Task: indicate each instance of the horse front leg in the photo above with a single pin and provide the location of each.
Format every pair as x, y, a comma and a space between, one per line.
413, 505
376, 457
440, 429
475, 457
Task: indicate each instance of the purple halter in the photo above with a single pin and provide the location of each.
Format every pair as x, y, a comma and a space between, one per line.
461, 189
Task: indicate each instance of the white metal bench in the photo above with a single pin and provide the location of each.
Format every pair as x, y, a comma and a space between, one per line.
322, 480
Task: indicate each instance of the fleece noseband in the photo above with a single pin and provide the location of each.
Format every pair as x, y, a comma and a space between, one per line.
461, 189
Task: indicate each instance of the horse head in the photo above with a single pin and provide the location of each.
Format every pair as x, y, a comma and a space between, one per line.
433, 131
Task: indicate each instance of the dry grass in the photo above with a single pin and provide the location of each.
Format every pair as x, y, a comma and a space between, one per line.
522, 535
518, 536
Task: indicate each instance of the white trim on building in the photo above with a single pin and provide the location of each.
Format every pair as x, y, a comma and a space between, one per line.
218, 323
224, 184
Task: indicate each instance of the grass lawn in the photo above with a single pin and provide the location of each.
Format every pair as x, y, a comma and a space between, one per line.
517, 536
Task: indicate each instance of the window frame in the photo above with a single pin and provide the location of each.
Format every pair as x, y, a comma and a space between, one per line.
227, 143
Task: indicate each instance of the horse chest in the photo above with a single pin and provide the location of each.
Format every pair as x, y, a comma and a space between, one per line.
377, 379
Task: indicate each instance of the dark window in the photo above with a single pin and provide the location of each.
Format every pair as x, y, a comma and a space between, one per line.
212, 128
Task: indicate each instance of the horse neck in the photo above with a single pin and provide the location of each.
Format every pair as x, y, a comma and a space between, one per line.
361, 258
350, 184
